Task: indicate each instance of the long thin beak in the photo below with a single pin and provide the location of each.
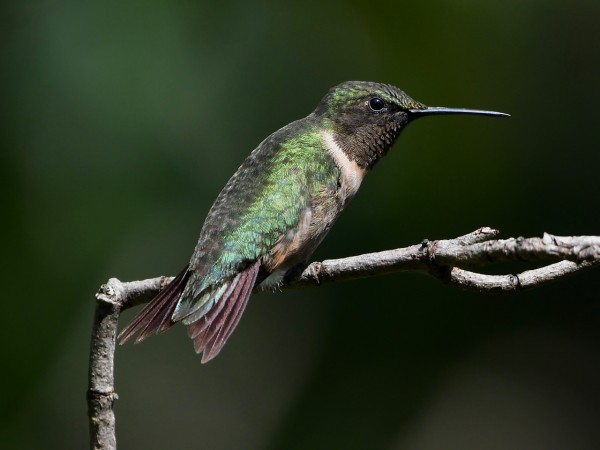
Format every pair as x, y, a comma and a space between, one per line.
429, 111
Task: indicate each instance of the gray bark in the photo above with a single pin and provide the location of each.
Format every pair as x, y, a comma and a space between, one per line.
446, 260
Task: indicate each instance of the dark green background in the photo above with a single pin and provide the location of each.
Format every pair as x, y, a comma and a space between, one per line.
120, 123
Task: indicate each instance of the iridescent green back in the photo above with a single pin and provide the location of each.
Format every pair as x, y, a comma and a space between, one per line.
263, 200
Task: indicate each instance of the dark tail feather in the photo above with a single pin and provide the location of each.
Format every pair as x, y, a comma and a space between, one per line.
231, 320
212, 331
207, 339
155, 317
200, 326
214, 321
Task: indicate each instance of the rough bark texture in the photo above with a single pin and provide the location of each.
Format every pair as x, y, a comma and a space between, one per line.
443, 259
112, 298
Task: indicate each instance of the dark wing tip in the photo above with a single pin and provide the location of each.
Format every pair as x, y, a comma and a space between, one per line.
210, 333
155, 317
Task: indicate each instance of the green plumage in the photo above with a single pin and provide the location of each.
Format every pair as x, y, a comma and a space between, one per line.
277, 208
264, 200
297, 172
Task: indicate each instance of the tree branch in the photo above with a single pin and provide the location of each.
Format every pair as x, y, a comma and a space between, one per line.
443, 258
446, 260
112, 298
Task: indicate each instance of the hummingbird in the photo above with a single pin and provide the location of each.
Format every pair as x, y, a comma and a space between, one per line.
277, 208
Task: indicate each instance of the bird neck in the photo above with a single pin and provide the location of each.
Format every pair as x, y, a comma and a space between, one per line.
365, 145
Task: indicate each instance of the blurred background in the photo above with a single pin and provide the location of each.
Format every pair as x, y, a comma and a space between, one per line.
122, 121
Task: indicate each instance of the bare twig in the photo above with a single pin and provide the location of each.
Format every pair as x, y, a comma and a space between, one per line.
112, 298
443, 259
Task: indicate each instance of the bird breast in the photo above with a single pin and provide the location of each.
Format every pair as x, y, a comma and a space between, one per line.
351, 173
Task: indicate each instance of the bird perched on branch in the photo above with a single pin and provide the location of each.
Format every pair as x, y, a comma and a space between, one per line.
277, 208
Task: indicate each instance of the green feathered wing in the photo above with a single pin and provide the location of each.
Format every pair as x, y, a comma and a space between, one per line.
268, 199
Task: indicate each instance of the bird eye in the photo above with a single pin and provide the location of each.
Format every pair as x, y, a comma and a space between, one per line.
376, 104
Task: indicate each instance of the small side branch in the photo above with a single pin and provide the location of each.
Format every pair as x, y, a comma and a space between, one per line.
447, 259
517, 282
450, 261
